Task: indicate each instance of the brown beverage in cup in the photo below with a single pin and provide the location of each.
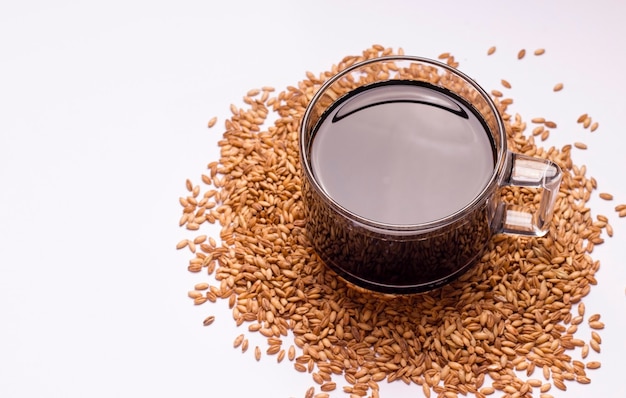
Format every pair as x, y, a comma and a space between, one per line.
403, 159
402, 152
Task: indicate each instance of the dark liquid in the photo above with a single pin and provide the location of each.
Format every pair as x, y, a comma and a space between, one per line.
402, 153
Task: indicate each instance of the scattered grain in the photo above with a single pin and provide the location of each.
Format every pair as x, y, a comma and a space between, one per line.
212, 121
538, 120
540, 51
594, 126
538, 130
238, 341
580, 145
559, 383
273, 349
257, 353
596, 325
550, 124
208, 320
330, 386
291, 353
596, 337
595, 345
505, 83
521, 54
593, 365
606, 196
557, 87
581, 309
199, 300
491, 50
594, 318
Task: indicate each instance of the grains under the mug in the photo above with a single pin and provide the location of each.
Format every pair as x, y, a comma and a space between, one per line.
511, 313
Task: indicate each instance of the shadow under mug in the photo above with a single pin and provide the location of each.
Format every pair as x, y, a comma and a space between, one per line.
412, 257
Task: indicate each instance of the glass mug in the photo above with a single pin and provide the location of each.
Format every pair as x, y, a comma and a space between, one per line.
403, 161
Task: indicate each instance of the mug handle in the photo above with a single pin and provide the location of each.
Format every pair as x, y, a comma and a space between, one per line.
527, 171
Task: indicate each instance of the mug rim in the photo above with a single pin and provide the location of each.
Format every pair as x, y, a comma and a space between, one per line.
402, 229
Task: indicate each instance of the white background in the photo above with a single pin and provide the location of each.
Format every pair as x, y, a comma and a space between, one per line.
103, 112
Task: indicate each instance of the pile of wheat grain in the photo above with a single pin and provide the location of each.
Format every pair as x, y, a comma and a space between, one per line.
510, 324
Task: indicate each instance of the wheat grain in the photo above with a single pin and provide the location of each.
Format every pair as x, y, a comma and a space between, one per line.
596, 325
606, 196
580, 145
593, 365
